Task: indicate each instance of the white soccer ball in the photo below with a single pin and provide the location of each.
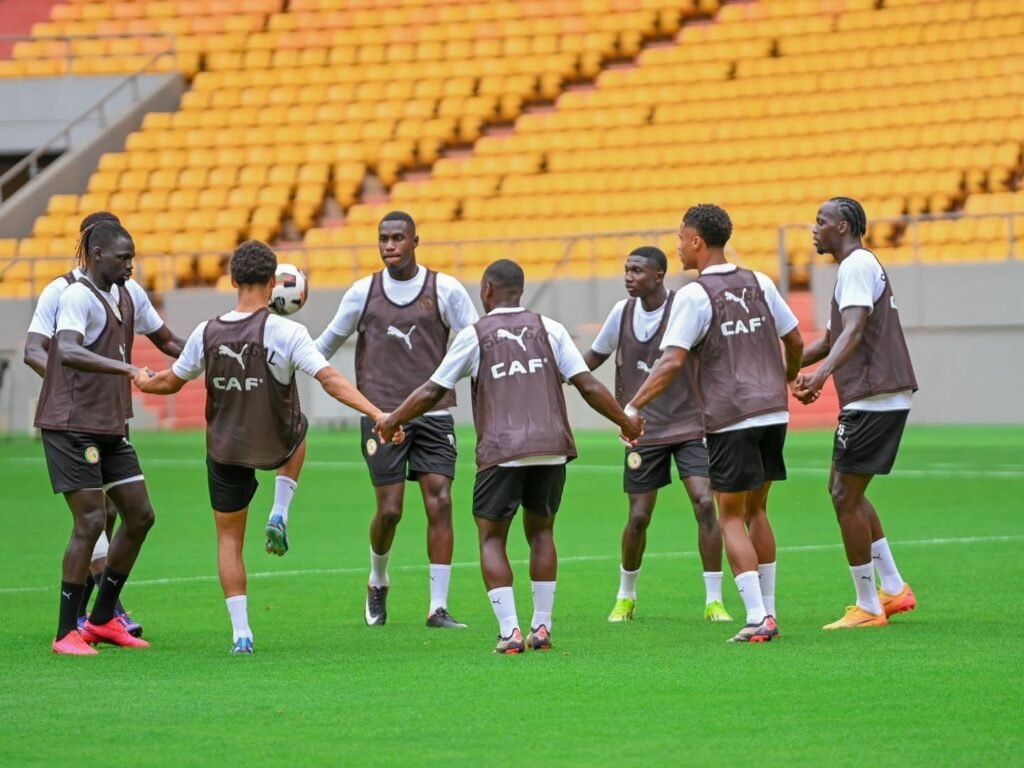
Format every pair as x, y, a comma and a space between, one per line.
289, 292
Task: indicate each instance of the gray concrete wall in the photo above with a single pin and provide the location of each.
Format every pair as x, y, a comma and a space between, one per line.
964, 325
70, 173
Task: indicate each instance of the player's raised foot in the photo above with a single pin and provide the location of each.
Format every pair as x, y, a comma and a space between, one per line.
72, 644
857, 618
539, 639
133, 627
622, 610
112, 632
757, 633
376, 610
443, 620
277, 536
901, 602
243, 645
512, 644
715, 611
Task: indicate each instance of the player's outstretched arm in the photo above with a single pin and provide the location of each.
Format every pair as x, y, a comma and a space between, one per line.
808, 385
74, 355
601, 400
668, 365
165, 340
594, 359
815, 351
344, 391
37, 347
421, 400
164, 383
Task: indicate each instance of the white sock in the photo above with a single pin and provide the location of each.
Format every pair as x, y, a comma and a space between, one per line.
503, 602
884, 563
238, 609
543, 603
749, 586
627, 583
766, 573
712, 587
379, 569
440, 575
284, 489
864, 583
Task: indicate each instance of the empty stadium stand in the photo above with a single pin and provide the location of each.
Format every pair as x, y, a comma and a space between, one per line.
494, 120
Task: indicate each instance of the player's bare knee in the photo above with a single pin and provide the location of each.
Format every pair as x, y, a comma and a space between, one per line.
140, 521
389, 514
89, 524
638, 521
704, 512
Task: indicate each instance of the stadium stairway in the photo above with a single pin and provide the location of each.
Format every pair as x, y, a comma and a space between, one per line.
185, 410
821, 413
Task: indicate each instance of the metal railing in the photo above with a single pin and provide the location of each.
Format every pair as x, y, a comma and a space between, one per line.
61, 141
887, 233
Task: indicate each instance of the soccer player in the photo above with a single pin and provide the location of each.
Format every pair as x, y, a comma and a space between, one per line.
730, 319
403, 315
82, 407
253, 417
518, 360
865, 353
37, 345
673, 430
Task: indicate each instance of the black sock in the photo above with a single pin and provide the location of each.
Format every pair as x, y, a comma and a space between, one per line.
111, 584
90, 585
70, 600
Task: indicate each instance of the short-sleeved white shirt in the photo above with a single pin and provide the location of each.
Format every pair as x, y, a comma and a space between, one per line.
860, 282
455, 306
80, 310
645, 325
44, 318
463, 359
292, 347
690, 319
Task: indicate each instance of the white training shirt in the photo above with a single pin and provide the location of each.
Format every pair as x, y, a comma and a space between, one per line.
289, 346
463, 359
690, 319
79, 310
860, 283
645, 325
454, 304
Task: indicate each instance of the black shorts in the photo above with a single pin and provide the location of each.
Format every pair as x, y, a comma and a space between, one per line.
231, 486
867, 441
78, 461
428, 448
499, 491
746, 459
649, 467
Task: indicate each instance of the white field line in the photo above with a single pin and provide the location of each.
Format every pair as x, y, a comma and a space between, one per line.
991, 474
561, 561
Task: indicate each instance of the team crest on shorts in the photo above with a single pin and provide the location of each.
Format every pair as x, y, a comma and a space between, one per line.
634, 460
92, 454
371, 447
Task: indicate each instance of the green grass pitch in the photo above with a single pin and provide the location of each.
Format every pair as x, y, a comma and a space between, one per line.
940, 686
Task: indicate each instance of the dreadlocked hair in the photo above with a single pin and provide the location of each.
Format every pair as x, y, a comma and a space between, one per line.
853, 213
99, 234
90, 221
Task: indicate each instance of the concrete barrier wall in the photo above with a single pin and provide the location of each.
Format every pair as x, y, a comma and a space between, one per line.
70, 173
964, 325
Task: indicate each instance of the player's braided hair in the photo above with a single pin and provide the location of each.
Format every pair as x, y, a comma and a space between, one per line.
652, 254
853, 213
711, 222
85, 228
99, 234
253, 263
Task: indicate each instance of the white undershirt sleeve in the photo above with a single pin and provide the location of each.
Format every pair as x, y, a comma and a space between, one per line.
190, 363
345, 321
785, 320
462, 360
607, 340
